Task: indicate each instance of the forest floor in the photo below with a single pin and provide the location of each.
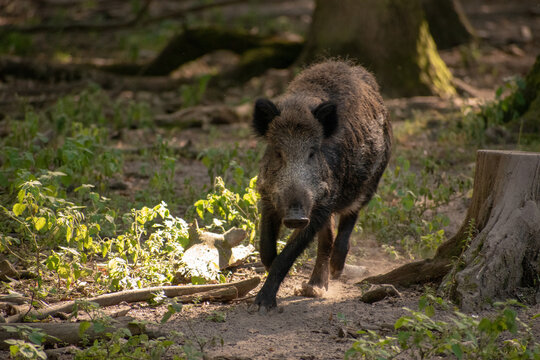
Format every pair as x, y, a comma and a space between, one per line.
325, 328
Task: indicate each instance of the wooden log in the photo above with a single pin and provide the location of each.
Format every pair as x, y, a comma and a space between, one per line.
378, 293
220, 295
68, 333
136, 295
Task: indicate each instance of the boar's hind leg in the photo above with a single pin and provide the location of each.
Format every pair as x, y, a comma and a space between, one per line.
341, 244
319, 277
270, 225
300, 239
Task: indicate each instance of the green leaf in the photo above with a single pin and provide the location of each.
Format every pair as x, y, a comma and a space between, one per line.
166, 317
430, 310
39, 223
18, 208
36, 337
99, 327
13, 349
403, 336
400, 322
198, 280
408, 201
485, 325
20, 195
85, 325
456, 349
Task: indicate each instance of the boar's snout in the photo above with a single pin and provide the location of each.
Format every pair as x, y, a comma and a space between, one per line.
296, 218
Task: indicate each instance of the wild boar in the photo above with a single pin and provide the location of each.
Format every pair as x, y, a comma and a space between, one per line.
328, 141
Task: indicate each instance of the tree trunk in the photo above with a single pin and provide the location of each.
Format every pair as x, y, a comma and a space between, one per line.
496, 251
391, 38
447, 23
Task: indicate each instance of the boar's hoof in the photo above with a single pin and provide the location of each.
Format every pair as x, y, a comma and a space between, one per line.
335, 273
309, 290
262, 305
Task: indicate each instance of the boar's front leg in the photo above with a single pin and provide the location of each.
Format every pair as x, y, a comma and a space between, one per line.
269, 232
341, 244
300, 239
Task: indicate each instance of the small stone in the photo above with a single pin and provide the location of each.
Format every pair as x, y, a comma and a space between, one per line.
526, 33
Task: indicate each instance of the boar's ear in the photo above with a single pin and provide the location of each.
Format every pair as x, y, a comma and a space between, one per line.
265, 111
326, 113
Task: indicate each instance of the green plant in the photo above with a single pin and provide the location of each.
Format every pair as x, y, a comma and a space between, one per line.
162, 181
234, 165
193, 94
217, 316
14, 43
473, 122
403, 211
139, 256
420, 336
30, 342
122, 343
222, 207
45, 221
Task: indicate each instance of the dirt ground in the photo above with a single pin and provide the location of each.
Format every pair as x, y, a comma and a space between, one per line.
306, 328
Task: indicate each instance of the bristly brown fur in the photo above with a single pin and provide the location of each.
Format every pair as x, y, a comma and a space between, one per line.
327, 147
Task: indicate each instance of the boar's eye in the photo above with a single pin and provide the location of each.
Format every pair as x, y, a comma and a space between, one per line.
311, 154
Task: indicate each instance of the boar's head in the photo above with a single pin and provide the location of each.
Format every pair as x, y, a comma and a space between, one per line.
294, 172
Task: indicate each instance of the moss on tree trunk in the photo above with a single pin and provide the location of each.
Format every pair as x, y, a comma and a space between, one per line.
391, 38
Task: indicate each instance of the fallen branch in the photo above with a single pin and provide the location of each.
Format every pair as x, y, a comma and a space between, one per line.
137, 295
378, 293
68, 333
220, 295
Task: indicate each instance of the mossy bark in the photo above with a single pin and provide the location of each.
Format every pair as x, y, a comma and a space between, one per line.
391, 38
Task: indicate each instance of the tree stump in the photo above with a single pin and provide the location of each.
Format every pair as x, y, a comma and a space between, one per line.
503, 251
496, 251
